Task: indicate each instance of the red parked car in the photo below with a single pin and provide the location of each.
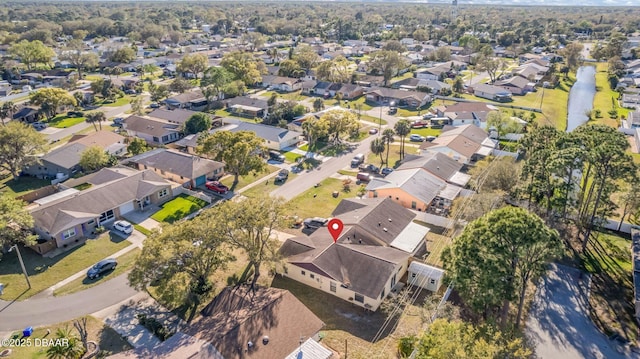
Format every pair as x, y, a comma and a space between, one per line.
217, 187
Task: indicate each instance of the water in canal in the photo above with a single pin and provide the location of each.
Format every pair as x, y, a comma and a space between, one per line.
581, 97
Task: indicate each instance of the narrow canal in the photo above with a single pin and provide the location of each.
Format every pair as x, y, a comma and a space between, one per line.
581, 97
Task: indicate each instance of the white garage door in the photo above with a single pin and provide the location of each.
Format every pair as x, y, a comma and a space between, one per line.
126, 208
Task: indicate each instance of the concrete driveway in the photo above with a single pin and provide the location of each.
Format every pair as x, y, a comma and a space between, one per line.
559, 325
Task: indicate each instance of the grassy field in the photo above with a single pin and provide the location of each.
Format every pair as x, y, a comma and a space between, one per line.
376, 120
21, 185
426, 131
63, 121
318, 201
250, 178
267, 187
291, 156
109, 341
605, 98
125, 262
45, 272
608, 259
178, 208
124, 100
361, 102
394, 155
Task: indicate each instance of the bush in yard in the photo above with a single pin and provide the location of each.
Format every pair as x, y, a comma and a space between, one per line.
159, 330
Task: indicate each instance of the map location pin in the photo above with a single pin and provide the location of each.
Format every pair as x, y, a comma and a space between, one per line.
335, 228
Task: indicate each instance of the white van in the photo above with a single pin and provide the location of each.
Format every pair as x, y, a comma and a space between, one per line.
357, 160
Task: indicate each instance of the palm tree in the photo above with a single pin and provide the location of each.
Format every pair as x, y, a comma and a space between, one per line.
387, 136
71, 349
8, 109
378, 147
402, 128
96, 117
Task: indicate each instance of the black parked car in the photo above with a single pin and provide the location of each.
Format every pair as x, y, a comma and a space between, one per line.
101, 267
282, 176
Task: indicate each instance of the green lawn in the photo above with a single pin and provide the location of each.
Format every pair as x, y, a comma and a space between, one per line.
250, 178
125, 100
45, 272
373, 119
436, 244
63, 121
318, 201
291, 156
426, 132
362, 101
348, 173
125, 262
178, 208
224, 113
394, 155
109, 341
606, 98
142, 230
21, 185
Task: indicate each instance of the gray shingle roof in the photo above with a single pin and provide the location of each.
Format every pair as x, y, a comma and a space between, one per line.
62, 214
269, 133
182, 164
66, 156
153, 127
436, 163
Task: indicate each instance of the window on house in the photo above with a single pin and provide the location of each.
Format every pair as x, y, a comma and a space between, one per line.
311, 275
69, 233
433, 281
359, 298
332, 286
105, 216
375, 194
181, 177
156, 139
145, 167
382, 295
413, 204
303, 272
162, 193
162, 171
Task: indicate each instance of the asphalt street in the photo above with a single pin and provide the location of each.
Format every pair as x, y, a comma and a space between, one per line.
18, 315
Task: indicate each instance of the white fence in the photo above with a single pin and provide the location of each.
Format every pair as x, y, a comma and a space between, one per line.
613, 225
500, 153
181, 190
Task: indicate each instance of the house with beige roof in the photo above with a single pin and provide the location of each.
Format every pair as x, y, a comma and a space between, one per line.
186, 169
64, 220
64, 161
465, 144
367, 261
153, 130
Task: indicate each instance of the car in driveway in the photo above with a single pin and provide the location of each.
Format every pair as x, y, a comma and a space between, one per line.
315, 222
363, 177
430, 138
123, 226
385, 171
154, 105
276, 156
102, 267
373, 131
217, 187
282, 176
416, 138
370, 168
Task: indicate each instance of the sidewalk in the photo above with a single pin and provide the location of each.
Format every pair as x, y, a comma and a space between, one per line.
136, 238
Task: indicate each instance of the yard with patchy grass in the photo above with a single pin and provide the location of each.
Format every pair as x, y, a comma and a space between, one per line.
605, 98
178, 208
64, 121
21, 185
394, 155
125, 262
353, 325
426, 131
262, 189
243, 181
608, 259
45, 272
109, 341
319, 201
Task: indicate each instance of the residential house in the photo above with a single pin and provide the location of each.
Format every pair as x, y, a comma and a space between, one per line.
350, 91
245, 106
260, 323
517, 85
466, 144
155, 131
64, 161
415, 84
467, 113
439, 165
179, 116
125, 83
5, 88
114, 192
417, 189
425, 276
367, 260
307, 86
27, 114
188, 170
192, 100
631, 101
491, 92
387, 96
280, 83
275, 138
310, 349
